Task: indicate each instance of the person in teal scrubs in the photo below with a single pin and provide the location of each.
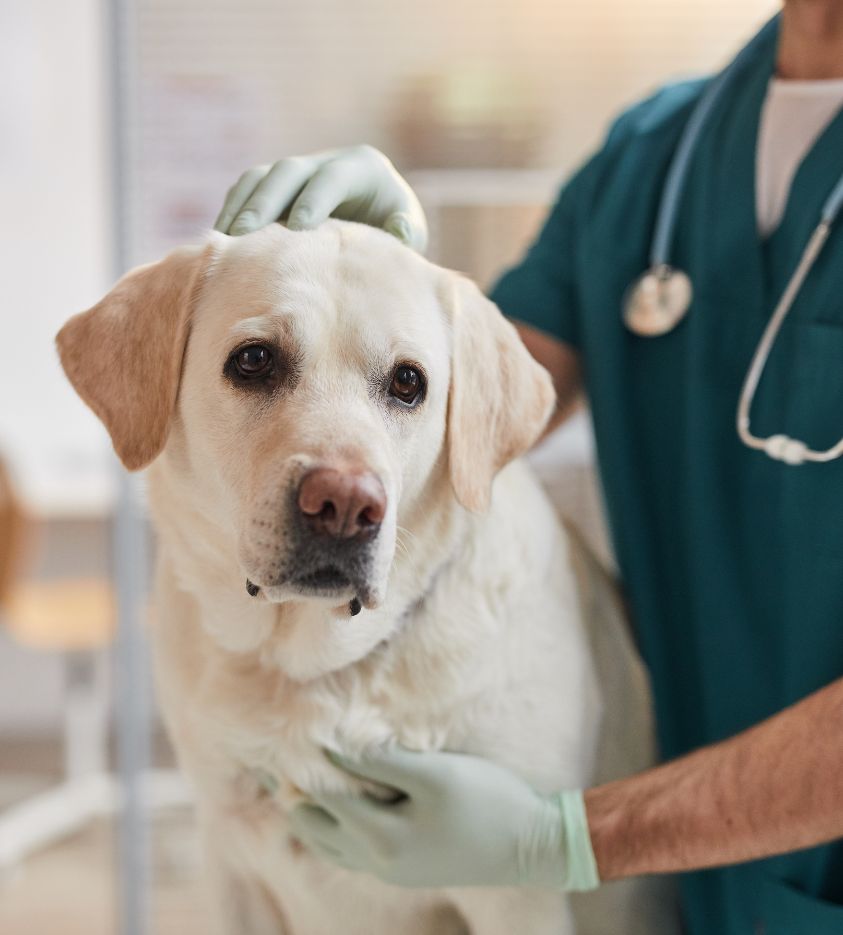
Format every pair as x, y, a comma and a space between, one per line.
732, 561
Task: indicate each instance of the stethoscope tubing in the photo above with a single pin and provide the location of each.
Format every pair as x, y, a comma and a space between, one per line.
668, 210
780, 447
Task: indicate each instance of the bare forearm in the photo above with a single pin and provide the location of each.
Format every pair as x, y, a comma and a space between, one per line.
562, 363
777, 787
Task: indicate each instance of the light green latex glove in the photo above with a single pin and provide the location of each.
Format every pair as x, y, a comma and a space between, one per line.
356, 184
463, 821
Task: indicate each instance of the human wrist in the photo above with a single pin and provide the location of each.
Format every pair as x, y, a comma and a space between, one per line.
557, 852
580, 863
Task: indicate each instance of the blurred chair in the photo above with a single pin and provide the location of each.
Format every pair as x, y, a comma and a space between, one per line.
74, 617
13, 526
77, 618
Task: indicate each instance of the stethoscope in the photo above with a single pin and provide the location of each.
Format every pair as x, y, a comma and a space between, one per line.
659, 299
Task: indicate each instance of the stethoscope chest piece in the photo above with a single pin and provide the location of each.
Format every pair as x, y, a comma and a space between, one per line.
657, 301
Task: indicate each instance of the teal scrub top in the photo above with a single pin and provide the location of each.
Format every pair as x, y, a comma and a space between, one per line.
732, 562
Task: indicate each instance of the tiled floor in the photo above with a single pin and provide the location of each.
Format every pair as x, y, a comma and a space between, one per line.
71, 888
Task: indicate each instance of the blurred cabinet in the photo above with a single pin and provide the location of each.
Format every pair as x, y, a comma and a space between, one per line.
482, 220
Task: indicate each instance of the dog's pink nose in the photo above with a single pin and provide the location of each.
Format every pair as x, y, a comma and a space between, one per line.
343, 504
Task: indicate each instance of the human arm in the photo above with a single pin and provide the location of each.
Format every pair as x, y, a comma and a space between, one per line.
562, 363
774, 788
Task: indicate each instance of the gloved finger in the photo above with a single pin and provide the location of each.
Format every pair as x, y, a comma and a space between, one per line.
323, 845
329, 187
362, 818
273, 195
308, 820
336, 857
404, 770
238, 195
409, 226
319, 831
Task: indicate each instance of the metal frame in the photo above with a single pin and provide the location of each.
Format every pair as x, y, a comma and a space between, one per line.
130, 570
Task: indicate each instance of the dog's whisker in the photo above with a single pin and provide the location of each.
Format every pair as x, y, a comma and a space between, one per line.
407, 532
399, 542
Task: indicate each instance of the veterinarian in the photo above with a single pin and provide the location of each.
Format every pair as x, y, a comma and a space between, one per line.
719, 192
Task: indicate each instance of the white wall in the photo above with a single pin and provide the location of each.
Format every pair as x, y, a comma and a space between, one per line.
270, 78
53, 228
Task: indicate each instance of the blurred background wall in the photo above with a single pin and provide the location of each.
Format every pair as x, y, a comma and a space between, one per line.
443, 84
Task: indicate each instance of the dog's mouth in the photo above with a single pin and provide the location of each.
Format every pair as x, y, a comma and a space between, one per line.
321, 568
322, 581
328, 581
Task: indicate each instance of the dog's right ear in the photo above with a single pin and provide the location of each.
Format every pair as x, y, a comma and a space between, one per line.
124, 355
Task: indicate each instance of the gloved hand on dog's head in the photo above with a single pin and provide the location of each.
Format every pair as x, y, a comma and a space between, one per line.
357, 183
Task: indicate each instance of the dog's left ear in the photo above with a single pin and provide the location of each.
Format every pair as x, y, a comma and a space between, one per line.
500, 397
124, 355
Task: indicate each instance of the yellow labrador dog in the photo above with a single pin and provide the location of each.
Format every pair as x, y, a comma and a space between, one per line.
324, 415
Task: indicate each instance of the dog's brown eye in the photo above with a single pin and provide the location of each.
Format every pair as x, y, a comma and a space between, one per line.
407, 384
252, 361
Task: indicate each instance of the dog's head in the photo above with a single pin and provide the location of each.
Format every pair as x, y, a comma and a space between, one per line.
309, 390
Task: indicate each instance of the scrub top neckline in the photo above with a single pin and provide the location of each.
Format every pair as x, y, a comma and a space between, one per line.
805, 197
819, 86
792, 122
822, 161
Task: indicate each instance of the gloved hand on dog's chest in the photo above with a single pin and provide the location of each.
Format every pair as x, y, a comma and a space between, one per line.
462, 821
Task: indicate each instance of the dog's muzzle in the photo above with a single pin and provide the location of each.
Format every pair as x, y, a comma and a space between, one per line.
335, 517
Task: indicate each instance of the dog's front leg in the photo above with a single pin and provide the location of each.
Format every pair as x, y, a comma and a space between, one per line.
241, 905
505, 911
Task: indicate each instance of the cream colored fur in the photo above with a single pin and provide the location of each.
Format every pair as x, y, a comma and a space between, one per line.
484, 629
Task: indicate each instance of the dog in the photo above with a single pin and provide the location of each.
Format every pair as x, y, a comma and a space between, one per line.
353, 554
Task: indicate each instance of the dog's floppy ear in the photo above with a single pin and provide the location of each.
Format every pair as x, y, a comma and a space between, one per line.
500, 397
124, 355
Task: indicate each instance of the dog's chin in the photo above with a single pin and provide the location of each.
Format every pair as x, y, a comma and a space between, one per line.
295, 591
329, 586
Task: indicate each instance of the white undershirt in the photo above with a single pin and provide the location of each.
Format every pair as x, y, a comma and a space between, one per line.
794, 115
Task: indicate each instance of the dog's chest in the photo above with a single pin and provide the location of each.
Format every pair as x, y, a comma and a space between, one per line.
268, 735
465, 670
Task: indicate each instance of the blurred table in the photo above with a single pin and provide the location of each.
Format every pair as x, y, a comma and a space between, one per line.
442, 189
485, 187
